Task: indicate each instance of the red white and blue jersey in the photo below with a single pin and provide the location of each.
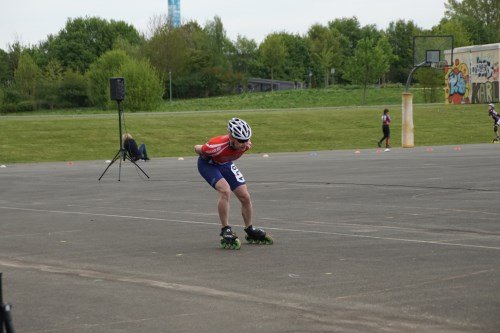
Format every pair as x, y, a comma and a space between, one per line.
219, 151
386, 120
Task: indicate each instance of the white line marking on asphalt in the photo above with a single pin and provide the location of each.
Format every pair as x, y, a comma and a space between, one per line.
106, 215
268, 228
40, 233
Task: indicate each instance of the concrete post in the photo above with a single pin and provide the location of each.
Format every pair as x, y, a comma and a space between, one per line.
407, 126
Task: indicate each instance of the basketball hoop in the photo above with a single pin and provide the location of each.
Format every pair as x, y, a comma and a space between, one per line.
439, 64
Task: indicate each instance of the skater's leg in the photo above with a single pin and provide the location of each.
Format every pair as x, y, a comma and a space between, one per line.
242, 194
224, 191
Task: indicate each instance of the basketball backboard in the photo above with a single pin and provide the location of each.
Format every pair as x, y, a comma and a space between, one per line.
432, 51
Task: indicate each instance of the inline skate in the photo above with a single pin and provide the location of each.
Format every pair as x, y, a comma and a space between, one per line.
229, 239
257, 236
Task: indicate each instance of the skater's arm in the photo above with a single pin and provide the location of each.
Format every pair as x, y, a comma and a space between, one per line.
197, 149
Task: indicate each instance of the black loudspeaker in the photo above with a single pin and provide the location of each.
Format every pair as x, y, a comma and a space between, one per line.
117, 88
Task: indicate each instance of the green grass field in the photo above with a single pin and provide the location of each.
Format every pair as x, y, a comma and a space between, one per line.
40, 138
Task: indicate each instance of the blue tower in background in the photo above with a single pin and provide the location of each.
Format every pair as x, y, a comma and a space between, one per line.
174, 12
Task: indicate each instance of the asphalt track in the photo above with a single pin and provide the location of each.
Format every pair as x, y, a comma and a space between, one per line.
400, 241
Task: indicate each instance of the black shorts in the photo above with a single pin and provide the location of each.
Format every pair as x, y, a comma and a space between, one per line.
386, 130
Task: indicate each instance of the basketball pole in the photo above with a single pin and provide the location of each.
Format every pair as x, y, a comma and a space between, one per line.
407, 128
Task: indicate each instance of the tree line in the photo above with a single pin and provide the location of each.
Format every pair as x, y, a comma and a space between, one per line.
72, 68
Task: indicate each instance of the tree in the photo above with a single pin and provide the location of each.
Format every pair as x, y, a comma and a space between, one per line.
350, 33
455, 27
400, 35
388, 52
244, 58
368, 64
298, 57
481, 18
273, 52
216, 43
5, 74
216, 47
325, 48
108, 65
350, 28
182, 52
83, 40
50, 84
26, 77
15, 51
169, 49
73, 90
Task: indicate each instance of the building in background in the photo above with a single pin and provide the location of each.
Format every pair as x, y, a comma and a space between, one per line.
473, 77
174, 12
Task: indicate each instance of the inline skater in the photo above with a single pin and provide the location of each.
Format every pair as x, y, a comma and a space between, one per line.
216, 166
496, 121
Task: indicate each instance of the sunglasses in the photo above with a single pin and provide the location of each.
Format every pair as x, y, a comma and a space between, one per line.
241, 141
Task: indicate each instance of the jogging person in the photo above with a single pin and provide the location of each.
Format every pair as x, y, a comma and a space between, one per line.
496, 121
386, 121
216, 166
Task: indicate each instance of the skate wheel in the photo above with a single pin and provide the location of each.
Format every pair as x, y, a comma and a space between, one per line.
236, 245
269, 240
249, 240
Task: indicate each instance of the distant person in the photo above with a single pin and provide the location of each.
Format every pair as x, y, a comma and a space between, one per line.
135, 153
215, 165
386, 121
496, 121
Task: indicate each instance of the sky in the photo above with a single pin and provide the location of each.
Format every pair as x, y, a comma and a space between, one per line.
31, 21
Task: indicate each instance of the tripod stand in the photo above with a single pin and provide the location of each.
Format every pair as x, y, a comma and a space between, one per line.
5, 317
122, 153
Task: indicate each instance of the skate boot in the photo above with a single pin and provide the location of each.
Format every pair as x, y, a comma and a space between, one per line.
257, 236
229, 239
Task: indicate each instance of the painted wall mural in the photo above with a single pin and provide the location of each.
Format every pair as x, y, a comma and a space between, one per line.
473, 77
457, 80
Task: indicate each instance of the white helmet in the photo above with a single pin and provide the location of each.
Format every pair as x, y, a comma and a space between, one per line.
491, 105
239, 129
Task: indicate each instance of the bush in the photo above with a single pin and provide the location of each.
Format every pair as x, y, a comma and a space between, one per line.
25, 106
8, 107
11, 96
73, 90
144, 86
48, 94
108, 65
